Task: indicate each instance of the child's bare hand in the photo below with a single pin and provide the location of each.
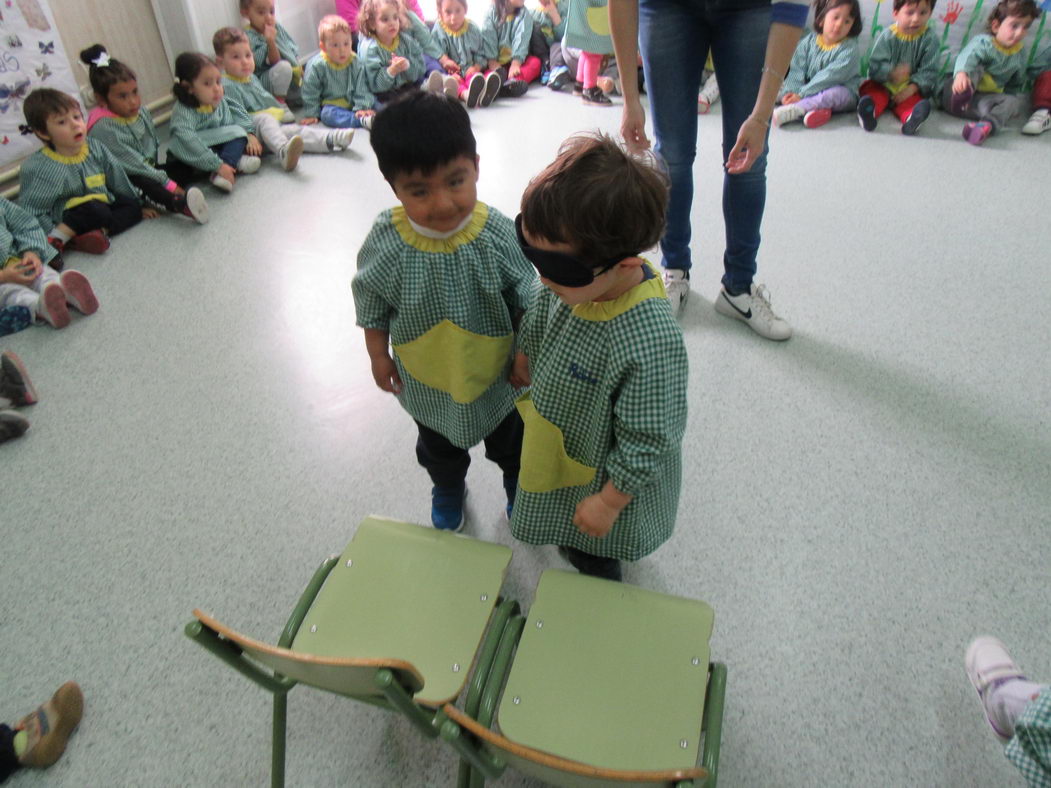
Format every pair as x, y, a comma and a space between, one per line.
514, 70
270, 33
32, 259
364, 113
961, 83
19, 274
594, 517
254, 146
308, 121
397, 65
790, 98
450, 65
900, 73
472, 71
493, 65
226, 171
520, 377
385, 373
150, 213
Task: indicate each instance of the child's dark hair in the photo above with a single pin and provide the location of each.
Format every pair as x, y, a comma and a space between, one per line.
440, 3
242, 5
104, 77
503, 10
824, 6
421, 132
227, 36
369, 9
187, 67
900, 4
42, 103
597, 198
1006, 8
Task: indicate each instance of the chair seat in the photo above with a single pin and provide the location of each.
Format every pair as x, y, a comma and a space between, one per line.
406, 592
625, 667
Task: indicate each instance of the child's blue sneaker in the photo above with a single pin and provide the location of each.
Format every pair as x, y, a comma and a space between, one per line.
544, 77
447, 508
511, 488
14, 318
558, 78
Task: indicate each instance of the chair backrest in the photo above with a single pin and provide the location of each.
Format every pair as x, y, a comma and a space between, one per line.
353, 677
553, 770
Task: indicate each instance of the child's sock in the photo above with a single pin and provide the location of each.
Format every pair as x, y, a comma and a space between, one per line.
1006, 700
61, 235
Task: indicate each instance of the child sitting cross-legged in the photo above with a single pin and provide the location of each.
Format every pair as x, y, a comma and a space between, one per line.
606, 411
463, 56
275, 126
903, 69
441, 282
335, 90
75, 187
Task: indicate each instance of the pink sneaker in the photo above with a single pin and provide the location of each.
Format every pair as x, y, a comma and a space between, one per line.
79, 293
51, 306
816, 118
987, 664
977, 132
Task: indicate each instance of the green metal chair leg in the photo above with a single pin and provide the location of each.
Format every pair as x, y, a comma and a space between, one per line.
277, 764
399, 698
483, 764
713, 722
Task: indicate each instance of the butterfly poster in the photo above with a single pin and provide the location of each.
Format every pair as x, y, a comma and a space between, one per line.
31, 56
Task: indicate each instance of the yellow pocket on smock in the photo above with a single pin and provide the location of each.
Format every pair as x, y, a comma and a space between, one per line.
454, 360
95, 181
598, 20
545, 464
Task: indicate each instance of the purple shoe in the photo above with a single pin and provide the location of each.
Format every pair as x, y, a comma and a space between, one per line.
960, 101
977, 132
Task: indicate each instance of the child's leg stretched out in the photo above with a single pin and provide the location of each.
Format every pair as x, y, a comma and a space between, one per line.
816, 110
191, 203
91, 221
340, 117
446, 464
1040, 120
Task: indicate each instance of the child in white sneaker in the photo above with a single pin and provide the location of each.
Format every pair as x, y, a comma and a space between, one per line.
1040, 72
824, 76
335, 90
1018, 710
275, 125
600, 347
208, 133
27, 280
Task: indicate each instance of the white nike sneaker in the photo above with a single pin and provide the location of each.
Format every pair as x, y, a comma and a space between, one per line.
754, 309
788, 113
1038, 123
677, 285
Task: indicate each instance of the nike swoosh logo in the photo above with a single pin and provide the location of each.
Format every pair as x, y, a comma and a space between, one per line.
746, 315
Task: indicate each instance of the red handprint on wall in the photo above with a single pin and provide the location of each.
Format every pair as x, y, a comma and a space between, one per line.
952, 13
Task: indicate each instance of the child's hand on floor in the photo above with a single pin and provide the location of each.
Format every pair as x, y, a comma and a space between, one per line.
150, 213
520, 377
385, 373
254, 146
961, 83
308, 121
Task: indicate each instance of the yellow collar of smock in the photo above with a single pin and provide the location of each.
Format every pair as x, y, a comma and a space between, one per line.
337, 66
205, 109
75, 159
393, 44
826, 47
903, 37
1008, 50
601, 311
124, 120
241, 80
465, 235
454, 33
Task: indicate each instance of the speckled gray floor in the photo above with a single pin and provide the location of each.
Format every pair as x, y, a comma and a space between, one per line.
858, 502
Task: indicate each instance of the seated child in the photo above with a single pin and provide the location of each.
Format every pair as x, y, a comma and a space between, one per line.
349, 10
335, 90
550, 21
210, 134
75, 187
508, 30
275, 51
27, 280
824, 76
710, 88
606, 411
903, 69
463, 56
393, 58
275, 125
441, 281
1040, 73
122, 124
990, 72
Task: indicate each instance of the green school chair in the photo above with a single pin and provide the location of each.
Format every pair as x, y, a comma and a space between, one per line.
397, 620
611, 685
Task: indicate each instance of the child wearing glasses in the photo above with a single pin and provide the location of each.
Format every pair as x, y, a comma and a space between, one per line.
442, 282
603, 353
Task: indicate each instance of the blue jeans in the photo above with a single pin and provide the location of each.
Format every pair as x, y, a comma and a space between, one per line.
339, 117
231, 151
675, 37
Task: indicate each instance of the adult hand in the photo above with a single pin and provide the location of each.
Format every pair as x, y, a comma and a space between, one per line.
751, 139
633, 126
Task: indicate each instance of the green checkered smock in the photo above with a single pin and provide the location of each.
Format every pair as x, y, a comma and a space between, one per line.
195, 130
587, 27
20, 233
1030, 748
286, 47
608, 402
552, 33
133, 141
465, 46
919, 52
342, 86
50, 183
377, 57
448, 305
507, 39
253, 97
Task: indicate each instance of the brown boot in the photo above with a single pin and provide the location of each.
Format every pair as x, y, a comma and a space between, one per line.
49, 727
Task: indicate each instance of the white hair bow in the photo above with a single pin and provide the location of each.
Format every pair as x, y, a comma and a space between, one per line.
102, 60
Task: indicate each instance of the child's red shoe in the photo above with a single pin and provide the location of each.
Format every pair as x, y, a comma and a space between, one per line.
93, 242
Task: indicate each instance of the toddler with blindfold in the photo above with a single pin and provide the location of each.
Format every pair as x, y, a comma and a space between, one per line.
600, 347
441, 281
